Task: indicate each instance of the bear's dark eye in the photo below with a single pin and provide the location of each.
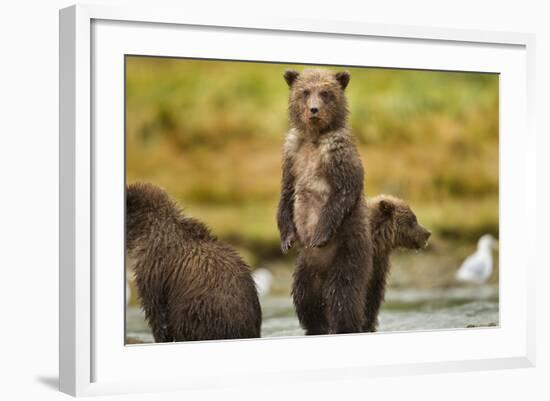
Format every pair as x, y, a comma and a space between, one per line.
325, 94
306, 93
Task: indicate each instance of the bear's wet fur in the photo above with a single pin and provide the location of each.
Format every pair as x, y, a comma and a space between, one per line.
190, 285
322, 205
393, 225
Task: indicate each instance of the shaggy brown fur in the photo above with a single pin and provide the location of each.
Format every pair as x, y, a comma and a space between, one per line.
191, 286
393, 225
322, 206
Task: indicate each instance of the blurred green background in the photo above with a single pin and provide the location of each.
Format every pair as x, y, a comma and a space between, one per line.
211, 134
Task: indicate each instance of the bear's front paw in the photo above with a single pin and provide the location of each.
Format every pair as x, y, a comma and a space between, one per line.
287, 241
320, 239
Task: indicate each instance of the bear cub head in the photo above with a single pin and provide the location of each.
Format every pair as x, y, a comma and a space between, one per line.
394, 224
317, 103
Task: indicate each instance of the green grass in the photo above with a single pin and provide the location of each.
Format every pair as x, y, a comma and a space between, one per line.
211, 134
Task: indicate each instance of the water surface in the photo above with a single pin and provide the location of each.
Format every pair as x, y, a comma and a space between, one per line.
404, 310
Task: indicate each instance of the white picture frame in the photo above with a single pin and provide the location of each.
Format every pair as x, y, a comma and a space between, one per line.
93, 357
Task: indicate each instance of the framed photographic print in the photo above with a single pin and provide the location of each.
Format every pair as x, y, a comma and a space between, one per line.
275, 200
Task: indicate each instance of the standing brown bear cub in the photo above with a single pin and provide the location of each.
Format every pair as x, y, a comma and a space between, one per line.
191, 286
322, 206
393, 225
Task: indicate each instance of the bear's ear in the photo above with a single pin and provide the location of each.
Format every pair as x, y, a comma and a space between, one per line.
343, 78
386, 207
290, 76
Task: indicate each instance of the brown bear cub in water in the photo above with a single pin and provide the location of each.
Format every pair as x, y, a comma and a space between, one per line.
191, 286
393, 225
322, 206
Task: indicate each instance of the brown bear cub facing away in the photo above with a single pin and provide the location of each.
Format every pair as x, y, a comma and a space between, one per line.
191, 286
322, 206
393, 225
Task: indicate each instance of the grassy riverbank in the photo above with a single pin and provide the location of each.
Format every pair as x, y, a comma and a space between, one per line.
211, 134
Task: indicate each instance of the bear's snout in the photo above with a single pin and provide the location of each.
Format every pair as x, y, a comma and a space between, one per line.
425, 237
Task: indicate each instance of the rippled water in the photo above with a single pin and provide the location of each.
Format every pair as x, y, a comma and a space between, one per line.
404, 310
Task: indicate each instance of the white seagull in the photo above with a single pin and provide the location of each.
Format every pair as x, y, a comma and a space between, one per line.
263, 279
478, 267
